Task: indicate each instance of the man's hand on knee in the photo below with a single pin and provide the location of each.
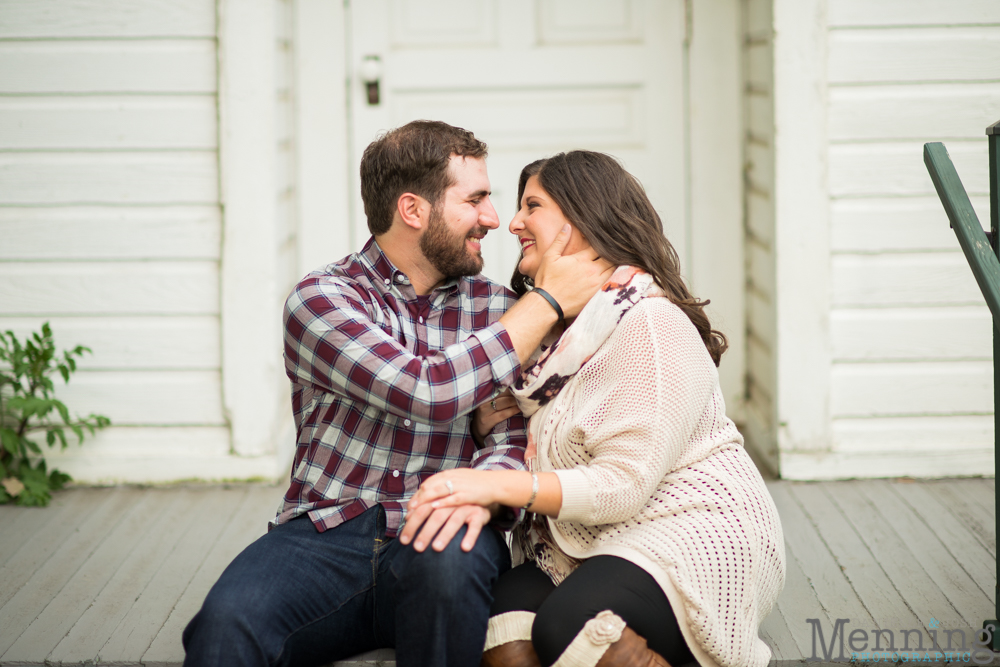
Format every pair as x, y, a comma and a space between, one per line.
441, 525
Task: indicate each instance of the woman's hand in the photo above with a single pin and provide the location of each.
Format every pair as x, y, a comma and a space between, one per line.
459, 486
489, 414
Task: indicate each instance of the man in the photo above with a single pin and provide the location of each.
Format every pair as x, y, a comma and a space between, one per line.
389, 350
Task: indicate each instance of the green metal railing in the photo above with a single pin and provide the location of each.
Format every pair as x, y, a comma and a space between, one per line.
982, 250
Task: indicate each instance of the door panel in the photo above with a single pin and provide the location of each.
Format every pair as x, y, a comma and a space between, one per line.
530, 78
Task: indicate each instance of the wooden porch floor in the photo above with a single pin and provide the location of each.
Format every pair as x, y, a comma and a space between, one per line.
112, 576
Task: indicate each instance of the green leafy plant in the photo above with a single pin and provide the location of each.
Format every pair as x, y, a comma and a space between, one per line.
28, 408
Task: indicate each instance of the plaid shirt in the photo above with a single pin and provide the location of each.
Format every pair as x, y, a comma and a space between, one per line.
383, 382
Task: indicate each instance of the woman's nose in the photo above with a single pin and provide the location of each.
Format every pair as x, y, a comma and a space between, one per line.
516, 223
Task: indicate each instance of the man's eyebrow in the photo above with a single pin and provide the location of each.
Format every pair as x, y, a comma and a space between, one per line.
479, 194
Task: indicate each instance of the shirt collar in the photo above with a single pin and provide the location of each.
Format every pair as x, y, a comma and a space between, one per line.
386, 274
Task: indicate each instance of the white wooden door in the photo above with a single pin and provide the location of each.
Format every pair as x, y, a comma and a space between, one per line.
530, 78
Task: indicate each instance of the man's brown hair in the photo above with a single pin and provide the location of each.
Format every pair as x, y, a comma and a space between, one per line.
412, 158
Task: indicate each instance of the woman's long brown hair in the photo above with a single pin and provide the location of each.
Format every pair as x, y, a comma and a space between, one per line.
610, 208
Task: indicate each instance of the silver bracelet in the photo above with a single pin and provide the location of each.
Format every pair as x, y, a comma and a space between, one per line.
534, 490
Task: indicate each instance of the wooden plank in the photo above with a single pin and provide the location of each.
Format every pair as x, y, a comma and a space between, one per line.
153, 342
797, 602
106, 18
183, 177
816, 556
942, 571
108, 123
900, 55
24, 523
975, 492
904, 13
940, 519
981, 524
902, 567
24, 558
256, 508
69, 604
896, 223
76, 546
941, 111
113, 66
134, 576
955, 436
855, 560
911, 388
162, 398
897, 169
904, 279
119, 233
142, 621
775, 633
109, 288
898, 334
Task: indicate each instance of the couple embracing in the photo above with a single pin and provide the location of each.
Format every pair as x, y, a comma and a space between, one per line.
435, 410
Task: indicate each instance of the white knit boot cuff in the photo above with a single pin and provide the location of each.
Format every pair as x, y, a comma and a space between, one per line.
593, 641
509, 627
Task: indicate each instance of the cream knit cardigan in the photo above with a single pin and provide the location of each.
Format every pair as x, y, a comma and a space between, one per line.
654, 472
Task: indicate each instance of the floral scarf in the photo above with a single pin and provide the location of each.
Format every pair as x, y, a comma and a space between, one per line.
548, 372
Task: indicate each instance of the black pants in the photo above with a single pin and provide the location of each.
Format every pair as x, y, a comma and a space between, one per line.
601, 582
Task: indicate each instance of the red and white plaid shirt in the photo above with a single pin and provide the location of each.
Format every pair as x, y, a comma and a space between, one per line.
383, 382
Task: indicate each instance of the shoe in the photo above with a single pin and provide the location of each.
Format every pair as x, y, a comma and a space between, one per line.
631, 651
520, 653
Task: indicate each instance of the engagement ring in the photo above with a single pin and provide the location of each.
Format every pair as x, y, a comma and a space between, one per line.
493, 404
451, 488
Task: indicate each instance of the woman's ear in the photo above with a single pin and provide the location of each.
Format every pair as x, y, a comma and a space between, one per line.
413, 210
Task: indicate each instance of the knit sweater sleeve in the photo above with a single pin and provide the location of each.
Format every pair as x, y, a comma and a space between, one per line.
639, 401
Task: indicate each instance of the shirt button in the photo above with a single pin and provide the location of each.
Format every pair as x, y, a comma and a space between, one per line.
406, 422
386, 281
395, 473
421, 319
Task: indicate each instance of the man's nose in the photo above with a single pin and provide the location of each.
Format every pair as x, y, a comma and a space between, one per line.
488, 216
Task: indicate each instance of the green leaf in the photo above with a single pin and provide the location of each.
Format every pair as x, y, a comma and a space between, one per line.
11, 442
58, 479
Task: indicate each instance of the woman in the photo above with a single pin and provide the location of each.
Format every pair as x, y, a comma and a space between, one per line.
654, 540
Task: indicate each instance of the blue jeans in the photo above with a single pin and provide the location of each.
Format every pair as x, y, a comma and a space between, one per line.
300, 597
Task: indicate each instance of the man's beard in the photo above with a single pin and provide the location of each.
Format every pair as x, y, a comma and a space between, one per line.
446, 250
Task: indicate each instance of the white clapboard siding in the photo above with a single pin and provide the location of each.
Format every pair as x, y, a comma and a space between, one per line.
873, 169
154, 455
106, 122
758, 198
912, 334
109, 178
941, 462
106, 18
865, 13
893, 224
920, 54
147, 397
928, 112
109, 288
188, 342
109, 66
911, 389
910, 435
942, 278
106, 232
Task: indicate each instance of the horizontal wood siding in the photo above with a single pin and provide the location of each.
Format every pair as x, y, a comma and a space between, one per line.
758, 151
912, 381
111, 223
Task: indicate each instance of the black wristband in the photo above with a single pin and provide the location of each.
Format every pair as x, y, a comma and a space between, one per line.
552, 302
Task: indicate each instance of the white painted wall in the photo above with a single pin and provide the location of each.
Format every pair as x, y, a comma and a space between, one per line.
885, 361
112, 225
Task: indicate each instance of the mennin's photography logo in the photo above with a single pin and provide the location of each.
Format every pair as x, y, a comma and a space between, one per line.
880, 645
